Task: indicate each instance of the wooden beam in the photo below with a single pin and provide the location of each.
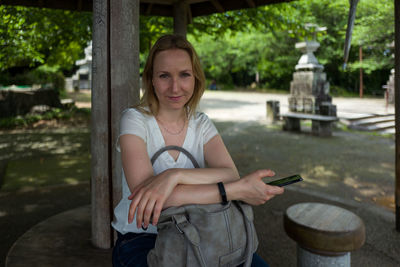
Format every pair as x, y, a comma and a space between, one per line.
100, 120
159, 8
397, 106
180, 17
124, 77
79, 5
189, 15
148, 9
251, 3
86, 5
218, 6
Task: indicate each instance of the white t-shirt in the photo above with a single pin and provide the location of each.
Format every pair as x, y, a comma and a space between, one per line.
200, 131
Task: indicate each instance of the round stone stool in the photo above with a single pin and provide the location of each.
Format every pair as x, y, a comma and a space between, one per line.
325, 234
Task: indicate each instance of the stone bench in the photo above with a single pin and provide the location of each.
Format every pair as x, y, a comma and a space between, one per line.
321, 125
325, 234
67, 103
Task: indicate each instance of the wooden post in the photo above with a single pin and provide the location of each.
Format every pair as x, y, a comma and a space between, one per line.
397, 106
124, 69
361, 73
100, 136
115, 87
180, 17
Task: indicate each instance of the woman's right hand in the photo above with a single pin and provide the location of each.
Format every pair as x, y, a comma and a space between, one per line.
252, 189
148, 198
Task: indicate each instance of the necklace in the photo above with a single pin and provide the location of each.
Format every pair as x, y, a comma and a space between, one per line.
170, 132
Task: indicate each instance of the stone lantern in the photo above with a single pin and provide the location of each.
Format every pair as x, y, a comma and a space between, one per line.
390, 84
83, 76
309, 89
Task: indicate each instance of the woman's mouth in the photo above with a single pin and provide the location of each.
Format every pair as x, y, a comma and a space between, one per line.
175, 98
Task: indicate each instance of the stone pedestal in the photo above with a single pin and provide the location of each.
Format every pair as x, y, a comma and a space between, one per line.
321, 128
273, 110
325, 234
308, 90
306, 258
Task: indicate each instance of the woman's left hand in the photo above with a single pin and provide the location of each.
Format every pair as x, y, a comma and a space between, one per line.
149, 198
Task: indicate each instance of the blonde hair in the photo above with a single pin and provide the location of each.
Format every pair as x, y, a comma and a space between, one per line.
166, 42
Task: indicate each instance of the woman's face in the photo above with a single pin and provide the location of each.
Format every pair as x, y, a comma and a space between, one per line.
173, 78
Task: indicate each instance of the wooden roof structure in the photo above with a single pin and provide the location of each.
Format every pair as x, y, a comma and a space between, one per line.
152, 7
115, 84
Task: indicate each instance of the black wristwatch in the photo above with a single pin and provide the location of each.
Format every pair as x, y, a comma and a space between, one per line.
222, 192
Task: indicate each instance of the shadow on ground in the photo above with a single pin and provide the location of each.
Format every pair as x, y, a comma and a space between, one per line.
355, 166
349, 168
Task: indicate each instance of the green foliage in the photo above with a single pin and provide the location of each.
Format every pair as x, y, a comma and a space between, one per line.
340, 91
43, 75
233, 46
151, 28
33, 36
374, 32
235, 59
232, 52
55, 113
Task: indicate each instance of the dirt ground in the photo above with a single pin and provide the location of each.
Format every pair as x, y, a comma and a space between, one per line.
349, 167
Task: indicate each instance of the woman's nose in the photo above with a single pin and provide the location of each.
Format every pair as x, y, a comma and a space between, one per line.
175, 85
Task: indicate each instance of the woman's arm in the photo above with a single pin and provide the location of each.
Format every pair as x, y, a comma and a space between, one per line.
220, 166
150, 192
250, 189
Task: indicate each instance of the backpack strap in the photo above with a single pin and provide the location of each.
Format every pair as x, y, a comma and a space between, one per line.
181, 149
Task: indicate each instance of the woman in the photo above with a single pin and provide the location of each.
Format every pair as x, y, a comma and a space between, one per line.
174, 83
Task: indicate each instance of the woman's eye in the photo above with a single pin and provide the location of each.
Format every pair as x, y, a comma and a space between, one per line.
186, 74
163, 76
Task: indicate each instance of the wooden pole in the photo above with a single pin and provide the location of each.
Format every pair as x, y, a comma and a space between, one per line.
180, 17
361, 73
124, 69
115, 87
397, 106
100, 139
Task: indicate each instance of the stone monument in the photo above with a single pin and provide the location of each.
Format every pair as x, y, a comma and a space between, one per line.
390, 84
83, 77
309, 89
390, 88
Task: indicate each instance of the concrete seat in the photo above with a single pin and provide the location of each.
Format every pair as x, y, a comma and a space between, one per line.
321, 124
62, 240
325, 234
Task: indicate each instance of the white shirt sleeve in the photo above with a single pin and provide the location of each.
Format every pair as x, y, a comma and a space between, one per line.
208, 128
132, 122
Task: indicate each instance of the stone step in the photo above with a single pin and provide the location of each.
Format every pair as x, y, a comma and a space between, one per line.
373, 120
374, 123
349, 118
388, 131
374, 127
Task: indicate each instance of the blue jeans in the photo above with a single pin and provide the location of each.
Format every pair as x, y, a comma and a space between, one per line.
131, 250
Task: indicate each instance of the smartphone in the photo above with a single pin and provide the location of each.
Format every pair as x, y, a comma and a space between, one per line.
287, 181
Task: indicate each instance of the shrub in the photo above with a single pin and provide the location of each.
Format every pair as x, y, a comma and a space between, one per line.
43, 75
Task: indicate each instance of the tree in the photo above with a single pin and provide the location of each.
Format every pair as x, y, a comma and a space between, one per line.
374, 31
33, 36
265, 42
233, 45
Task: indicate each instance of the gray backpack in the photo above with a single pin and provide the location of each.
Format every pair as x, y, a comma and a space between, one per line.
204, 235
